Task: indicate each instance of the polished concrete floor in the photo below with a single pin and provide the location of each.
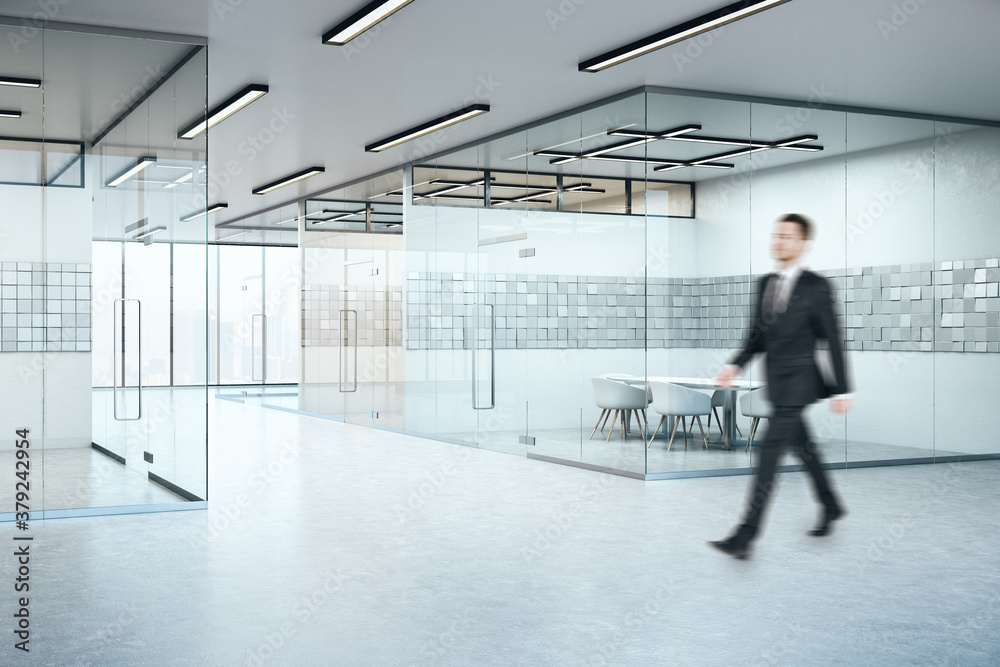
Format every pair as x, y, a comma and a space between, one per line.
332, 544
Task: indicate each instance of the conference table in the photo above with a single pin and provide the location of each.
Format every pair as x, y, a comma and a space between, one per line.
729, 406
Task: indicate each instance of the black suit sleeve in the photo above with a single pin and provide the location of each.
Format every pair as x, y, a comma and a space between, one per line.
825, 326
754, 342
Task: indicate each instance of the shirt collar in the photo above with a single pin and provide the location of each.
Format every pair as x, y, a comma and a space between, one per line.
791, 273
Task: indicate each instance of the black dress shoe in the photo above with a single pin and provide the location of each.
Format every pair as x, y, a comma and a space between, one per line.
736, 549
825, 525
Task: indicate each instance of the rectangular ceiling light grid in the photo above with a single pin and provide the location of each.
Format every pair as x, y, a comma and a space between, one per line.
682, 133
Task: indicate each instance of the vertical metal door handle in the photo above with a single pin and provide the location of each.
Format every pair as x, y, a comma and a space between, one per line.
493, 357
114, 324
340, 353
263, 347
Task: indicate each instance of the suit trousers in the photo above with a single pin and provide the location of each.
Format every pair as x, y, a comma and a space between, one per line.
786, 431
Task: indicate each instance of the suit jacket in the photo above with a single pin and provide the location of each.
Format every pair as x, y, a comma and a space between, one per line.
789, 340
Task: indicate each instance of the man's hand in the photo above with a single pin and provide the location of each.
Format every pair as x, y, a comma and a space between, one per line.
726, 376
840, 406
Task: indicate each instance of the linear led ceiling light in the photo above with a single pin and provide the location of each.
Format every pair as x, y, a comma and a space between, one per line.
6, 113
150, 232
183, 179
224, 110
528, 198
450, 186
432, 126
679, 33
143, 162
372, 13
336, 216
214, 208
20, 83
288, 180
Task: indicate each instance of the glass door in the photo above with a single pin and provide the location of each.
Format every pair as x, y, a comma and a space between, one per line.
359, 298
242, 355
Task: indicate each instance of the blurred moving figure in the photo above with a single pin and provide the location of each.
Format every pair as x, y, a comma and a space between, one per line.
794, 310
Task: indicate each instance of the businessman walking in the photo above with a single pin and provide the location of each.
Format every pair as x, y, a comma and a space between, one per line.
794, 310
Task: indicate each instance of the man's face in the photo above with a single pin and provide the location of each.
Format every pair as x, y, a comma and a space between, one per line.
787, 242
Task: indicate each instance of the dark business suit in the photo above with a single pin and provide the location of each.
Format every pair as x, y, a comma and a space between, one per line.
788, 338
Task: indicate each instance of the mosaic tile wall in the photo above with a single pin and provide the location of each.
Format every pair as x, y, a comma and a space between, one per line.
45, 307
911, 307
379, 315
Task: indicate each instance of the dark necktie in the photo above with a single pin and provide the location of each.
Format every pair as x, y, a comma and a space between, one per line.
775, 302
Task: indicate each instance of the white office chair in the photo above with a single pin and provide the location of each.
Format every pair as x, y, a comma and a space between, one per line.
617, 377
620, 398
672, 400
757, 406
718, 401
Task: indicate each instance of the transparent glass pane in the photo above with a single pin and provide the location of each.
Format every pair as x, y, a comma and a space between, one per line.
189, 316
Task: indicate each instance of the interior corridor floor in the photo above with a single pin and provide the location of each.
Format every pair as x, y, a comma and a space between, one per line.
332, 544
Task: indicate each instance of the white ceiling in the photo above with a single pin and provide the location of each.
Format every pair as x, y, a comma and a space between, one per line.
521, 56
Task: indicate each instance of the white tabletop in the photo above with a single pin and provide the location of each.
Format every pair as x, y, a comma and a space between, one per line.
698, 383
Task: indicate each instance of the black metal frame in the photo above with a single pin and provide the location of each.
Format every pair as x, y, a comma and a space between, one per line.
367, 221
560, 189
48, 182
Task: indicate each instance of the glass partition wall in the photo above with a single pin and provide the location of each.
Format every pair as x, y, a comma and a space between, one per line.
534, 293
352, 304
95, 186
550, 279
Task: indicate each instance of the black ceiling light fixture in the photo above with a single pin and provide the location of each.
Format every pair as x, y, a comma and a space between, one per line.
142, 163
685, 133
7, 113
427, 128
224, 110
20, 83
214, 208
679, 33
333, 216
362, 20
636, 139
288, 180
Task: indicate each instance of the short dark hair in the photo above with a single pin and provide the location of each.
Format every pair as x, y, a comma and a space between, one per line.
802, 221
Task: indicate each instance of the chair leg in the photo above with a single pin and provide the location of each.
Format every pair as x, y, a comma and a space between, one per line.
753, 429
655, 431
605, 420
684, 431
676, 422
703, 438
621, 424
644, 419
597, 424
612, 429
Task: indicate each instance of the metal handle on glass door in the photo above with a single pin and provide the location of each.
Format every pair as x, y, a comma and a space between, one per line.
340, 354
114, 324
263, 347
493, 358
